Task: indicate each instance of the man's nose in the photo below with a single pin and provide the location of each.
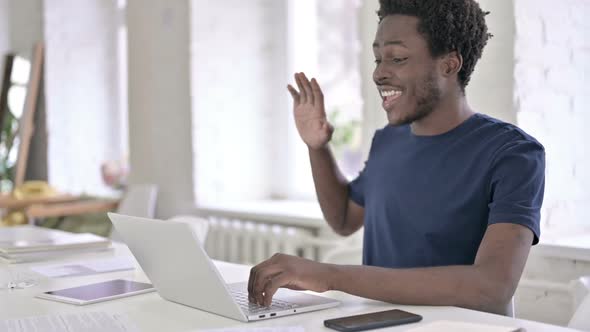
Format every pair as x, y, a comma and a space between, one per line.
380, 74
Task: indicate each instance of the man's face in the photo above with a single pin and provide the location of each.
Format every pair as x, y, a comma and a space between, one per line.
405, 73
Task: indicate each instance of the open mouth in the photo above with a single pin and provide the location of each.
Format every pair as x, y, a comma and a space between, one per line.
390, 97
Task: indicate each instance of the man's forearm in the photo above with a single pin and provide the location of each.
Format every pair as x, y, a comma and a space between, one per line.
464, 286
331, 187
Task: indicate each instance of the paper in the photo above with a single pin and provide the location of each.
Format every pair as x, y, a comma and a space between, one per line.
444, 326
259, 329
23, 239
72, 322
86, 268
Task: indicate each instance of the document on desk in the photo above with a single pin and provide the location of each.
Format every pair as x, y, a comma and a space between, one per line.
71, 322
86, 268
451, 326
259, 329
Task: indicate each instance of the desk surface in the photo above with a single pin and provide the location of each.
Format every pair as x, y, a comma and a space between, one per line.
152, 313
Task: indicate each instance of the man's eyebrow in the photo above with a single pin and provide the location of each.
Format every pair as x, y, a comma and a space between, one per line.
390, 42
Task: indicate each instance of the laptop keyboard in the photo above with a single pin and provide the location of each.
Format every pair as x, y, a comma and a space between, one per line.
241, 298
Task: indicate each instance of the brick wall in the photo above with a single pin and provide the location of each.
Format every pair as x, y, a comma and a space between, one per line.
552, 79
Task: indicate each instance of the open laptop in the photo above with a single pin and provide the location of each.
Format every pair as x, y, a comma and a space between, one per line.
178, 266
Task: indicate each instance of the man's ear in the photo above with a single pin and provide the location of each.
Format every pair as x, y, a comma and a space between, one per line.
451, 63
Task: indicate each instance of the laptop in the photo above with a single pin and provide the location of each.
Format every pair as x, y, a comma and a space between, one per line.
177, 265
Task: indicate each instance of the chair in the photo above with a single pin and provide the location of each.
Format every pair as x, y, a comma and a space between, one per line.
581, 299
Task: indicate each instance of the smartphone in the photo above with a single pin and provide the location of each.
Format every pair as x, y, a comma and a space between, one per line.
102, 291
372, 320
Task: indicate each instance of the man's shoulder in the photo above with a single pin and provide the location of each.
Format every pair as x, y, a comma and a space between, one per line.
503, 133
505, 141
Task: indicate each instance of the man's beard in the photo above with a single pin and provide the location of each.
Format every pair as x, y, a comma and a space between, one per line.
427, 99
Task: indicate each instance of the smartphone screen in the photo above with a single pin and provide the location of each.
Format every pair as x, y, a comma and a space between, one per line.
372, 320
101, 290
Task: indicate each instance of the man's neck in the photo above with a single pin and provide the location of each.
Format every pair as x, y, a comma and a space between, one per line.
449, 114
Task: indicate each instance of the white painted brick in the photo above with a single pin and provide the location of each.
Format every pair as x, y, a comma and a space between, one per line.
580, 13
528, 52
580, 40
551, 93
529, 28
559, 34
555, 55
565, 79
582, 107
529, 8
552, 14
528, 77
533, 123
581, 62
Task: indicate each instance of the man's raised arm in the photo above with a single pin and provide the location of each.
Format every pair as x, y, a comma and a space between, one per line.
343, 215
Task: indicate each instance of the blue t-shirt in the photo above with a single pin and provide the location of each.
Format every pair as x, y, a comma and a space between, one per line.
429, 199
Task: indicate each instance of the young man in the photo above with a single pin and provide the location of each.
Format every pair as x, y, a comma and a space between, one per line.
449, 198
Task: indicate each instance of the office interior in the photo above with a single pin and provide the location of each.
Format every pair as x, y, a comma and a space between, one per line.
184, 105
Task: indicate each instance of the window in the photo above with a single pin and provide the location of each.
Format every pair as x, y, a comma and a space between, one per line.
85, 91
245, 142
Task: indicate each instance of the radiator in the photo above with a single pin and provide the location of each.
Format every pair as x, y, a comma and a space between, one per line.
249, 242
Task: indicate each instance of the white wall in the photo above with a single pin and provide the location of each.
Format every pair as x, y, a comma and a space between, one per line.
373, 115
82, 89
490, 90
159, 100
552, 76
26, 25
4, 28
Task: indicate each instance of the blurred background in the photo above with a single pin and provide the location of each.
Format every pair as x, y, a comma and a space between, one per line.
190, 96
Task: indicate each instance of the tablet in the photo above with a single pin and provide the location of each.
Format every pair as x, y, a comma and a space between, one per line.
102, 291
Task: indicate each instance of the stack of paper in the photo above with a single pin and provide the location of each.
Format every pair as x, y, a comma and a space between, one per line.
452, 326
30, 243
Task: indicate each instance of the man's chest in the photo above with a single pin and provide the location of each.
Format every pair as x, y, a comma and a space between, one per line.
431, 181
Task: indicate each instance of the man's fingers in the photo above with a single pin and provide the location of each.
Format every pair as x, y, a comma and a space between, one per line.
261, 279
326, 126
293, 93
273, 284
254, 271
318, 95
307, 87
302, 92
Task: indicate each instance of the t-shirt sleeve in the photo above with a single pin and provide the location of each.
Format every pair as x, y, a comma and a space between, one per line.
356, 188
517, 185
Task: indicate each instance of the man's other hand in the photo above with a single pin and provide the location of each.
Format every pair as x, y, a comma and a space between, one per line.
309, 112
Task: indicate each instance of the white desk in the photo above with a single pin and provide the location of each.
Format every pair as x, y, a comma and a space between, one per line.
152, 313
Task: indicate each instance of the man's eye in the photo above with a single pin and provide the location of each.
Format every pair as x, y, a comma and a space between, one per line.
377, 61
398, 60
